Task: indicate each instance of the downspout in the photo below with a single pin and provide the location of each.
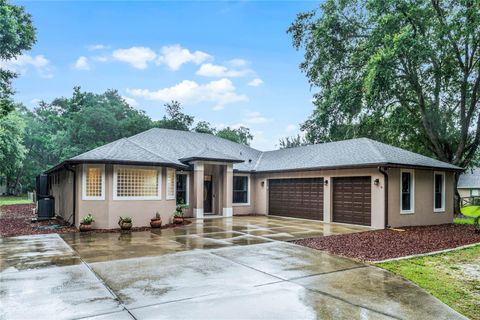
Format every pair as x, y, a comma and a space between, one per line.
384, 171
69, 168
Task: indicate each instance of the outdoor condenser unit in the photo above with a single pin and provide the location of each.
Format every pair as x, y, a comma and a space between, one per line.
45, 202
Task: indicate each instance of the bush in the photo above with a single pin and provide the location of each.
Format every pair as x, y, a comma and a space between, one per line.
88, 219
124, 220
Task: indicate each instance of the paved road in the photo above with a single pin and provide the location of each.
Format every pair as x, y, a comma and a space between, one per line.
214, 269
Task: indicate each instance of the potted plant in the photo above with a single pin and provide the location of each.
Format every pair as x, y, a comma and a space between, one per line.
156, 222
125, 223
86, 223
178, 214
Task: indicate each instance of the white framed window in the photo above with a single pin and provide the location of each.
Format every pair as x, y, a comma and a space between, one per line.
407, 191
182, 188
474, 192
170, 184
137, 183
241, 190
439, 191
93, 181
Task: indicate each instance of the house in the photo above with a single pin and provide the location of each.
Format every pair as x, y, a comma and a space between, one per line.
469, 183
358, 181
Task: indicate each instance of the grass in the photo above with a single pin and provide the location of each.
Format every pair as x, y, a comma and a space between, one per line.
462, 221
444, 276
7, 200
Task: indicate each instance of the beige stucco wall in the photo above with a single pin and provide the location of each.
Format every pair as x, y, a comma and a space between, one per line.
107, 211
62, 191
423, 202
260, 193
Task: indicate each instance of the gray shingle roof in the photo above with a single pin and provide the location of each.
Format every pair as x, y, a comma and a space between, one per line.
172, 147
347, 153
469, 179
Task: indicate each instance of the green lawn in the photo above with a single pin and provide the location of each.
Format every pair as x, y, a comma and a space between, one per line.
462, 221
448, 276
13, 200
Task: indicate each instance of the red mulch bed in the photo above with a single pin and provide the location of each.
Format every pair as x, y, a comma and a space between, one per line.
386, 244
16, 220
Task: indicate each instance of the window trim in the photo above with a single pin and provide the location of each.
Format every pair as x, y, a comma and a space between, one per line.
442, 209
242, 204
187, 189
174, 196
115, 183
84, 182
412, 191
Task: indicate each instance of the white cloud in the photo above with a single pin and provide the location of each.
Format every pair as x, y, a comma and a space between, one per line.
221, 92
138, 57
175, 56
95, 47
256, 118
237, 63
132, 102
35, 101
291, 128
82, 63
22, 63
255, 82
214, 70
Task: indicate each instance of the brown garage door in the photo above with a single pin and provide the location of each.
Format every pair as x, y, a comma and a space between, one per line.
299, 198
352, 200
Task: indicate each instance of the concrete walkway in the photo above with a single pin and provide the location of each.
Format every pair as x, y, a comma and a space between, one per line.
211, 269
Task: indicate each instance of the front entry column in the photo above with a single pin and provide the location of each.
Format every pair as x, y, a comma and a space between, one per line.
198, 177
227, 190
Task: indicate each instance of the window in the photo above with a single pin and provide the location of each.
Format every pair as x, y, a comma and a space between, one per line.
170, 184
407, 186
474, 193
93, 182
439, 192
182, 189
137, 183
240, 190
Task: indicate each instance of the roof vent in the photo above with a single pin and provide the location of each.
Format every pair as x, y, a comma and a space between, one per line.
249, 160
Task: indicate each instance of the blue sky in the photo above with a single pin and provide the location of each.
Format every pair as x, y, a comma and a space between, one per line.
229, 63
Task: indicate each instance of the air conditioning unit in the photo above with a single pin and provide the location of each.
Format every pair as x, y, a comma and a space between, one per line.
45, 208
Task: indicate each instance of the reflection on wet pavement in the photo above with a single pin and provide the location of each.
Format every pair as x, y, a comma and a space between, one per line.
233, 268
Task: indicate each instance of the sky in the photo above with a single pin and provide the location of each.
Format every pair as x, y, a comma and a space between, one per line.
228, 63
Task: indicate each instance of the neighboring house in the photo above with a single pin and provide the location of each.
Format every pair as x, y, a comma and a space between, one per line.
358, 181
469, 183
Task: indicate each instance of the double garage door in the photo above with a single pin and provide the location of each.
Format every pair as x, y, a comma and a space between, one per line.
303, 198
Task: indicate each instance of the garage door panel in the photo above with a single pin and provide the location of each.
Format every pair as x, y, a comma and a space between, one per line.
300, 198
352, 200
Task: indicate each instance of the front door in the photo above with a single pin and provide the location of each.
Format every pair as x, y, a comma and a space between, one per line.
207, 194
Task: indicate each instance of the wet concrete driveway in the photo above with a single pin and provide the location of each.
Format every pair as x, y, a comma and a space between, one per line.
237, 268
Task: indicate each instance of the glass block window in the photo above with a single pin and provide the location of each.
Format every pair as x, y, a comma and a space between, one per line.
240, 189
137, 183
93, 182
170, 184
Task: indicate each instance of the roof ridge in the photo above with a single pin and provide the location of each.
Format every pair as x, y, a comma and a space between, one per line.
258, 161
111, 150
372, 142
149, 151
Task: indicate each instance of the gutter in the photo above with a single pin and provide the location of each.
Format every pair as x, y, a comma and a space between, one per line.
69, 168
384, 171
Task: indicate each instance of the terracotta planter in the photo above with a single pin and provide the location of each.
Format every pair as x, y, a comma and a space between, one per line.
155, 223
85, 227
126, 225
178, 220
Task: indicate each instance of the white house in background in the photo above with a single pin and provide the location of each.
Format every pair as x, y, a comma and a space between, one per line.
469, 183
